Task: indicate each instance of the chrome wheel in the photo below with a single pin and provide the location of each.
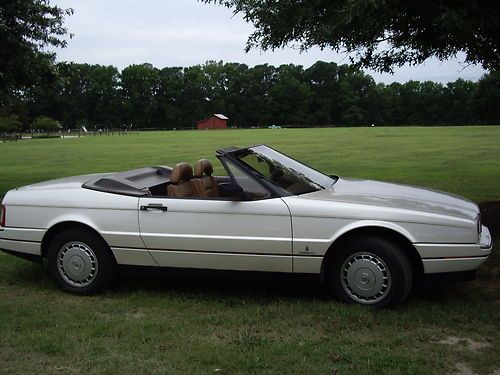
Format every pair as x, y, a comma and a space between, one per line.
77, 264
365, 278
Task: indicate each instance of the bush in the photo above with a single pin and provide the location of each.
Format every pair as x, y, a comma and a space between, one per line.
46, 124
10, 124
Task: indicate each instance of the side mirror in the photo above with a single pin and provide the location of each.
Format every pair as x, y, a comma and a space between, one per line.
237, 191
233, 190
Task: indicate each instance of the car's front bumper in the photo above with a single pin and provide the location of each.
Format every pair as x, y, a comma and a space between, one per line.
443, 258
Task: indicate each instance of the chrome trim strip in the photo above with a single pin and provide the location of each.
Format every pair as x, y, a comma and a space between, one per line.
216, 237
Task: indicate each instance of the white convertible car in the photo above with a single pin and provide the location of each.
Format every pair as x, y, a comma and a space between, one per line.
369, 241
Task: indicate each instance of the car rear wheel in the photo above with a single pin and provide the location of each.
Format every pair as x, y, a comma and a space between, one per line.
81, 262
370, 271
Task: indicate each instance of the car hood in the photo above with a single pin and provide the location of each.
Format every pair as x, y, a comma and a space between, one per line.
63, 183
397, 196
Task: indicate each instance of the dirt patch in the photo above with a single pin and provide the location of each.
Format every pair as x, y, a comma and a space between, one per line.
463, 369
470, 344
490, 214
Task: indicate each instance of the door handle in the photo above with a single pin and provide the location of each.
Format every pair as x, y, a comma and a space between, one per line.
158, 207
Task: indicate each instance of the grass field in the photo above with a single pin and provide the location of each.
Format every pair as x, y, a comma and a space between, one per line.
173, 325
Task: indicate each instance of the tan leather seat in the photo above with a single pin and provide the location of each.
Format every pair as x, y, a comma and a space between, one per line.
181, 183
205, 182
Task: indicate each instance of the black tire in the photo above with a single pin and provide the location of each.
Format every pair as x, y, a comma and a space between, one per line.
81, 262
370, 271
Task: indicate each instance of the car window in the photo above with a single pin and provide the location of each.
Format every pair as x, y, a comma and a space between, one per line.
247, 183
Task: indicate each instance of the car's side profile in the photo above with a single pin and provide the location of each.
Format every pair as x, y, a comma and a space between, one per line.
369, 241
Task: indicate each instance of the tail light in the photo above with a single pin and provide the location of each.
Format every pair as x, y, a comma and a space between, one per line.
2, 216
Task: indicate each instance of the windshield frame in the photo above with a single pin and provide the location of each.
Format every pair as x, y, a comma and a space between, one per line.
232, 153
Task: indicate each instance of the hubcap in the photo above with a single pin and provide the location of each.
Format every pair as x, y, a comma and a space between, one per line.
365, 278
77, 264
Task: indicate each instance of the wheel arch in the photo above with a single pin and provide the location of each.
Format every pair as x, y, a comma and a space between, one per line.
390, 233
55, 229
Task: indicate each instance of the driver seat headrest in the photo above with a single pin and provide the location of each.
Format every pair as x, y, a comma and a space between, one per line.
181, 172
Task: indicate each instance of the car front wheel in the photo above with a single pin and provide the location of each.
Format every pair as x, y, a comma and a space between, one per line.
370, 271
80, 262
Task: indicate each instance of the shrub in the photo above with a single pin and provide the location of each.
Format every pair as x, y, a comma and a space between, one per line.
46, 124
10, 124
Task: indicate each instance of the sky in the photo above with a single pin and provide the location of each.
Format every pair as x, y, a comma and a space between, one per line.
189, 32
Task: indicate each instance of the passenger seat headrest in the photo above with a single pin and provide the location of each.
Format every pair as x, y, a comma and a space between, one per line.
181, 172
203, 166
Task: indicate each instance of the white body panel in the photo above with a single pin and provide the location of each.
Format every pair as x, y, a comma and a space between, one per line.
290, 234
251, 235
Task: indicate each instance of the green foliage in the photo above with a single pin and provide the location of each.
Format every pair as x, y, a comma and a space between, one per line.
140, 87
26, 27
46, 124
323, 94
10, 124
486, 98
381, 34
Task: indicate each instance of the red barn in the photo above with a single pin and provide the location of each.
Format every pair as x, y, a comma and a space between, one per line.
216, 121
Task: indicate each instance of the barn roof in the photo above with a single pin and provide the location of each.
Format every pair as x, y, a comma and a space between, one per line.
218, 115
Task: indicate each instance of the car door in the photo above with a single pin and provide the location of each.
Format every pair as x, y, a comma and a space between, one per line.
253, 235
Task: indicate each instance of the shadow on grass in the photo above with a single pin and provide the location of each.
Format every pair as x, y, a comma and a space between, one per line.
266, 288
220, 285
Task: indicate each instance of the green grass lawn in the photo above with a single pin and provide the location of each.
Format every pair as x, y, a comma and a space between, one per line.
173, 325
461, 160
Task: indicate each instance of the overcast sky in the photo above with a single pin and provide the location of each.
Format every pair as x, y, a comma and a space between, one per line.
187, 32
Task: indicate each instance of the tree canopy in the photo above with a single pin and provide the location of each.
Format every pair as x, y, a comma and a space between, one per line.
46, 124
26, 27
324, 94
378, 34
10, 124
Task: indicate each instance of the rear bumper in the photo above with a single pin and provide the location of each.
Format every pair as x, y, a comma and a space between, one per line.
446, 258
26, 249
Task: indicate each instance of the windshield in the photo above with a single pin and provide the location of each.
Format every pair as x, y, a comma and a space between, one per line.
287, 173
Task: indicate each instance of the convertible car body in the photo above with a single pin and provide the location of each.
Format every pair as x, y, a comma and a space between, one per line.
369, 241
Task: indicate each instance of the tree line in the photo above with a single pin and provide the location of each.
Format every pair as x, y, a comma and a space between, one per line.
325, 94
35, 92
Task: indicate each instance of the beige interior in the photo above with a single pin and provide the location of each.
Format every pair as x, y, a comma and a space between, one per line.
205, 182
181, 182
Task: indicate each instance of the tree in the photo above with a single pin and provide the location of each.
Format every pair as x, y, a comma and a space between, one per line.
290, 97
323, 79
139, 90
194, 100
10, 124
46, 124
26, 27
485, 99
457, 97
169, 113
256, 110
379, 34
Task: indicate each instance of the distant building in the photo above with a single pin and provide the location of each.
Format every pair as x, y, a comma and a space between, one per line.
216, 121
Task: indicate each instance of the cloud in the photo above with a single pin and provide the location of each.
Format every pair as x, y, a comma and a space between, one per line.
188, 32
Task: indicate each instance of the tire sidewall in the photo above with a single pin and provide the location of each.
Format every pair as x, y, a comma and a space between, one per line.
106, 263
395, 260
